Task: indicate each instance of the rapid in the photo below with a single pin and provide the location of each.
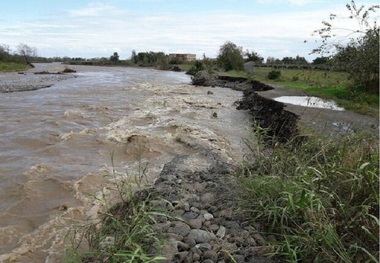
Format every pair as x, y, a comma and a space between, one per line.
58, 144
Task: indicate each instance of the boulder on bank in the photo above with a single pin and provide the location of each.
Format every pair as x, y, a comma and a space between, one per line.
202, 78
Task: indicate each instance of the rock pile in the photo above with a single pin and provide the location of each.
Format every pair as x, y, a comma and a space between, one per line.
204, 226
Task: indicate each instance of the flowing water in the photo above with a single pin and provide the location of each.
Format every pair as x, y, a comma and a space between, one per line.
311, 102
56, 145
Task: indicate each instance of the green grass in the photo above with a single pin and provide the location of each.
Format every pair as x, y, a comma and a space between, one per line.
12, 66
324, 84
319, 197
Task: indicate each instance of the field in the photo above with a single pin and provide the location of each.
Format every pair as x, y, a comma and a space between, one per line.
11, 66
325, 84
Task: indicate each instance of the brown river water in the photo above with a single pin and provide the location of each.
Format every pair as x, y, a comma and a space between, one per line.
56, 145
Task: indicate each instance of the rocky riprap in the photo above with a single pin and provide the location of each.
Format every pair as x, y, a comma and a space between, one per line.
204, 224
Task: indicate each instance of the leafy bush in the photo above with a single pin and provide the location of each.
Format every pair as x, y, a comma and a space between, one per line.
318, 197
198, 66
274, 74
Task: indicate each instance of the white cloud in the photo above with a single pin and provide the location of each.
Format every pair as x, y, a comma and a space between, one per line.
92, 32
95, 10
293, 2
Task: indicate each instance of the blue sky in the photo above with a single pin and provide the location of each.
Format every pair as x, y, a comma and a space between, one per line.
89, 28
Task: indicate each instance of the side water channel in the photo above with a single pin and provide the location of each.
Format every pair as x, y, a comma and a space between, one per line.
56, 143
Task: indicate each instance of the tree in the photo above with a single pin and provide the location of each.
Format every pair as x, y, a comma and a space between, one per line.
321, 60
114, 57
354, 49
253, 56
27, 52
230, 57
134, 57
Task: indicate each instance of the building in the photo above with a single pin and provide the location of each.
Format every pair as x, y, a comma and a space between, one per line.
182, 57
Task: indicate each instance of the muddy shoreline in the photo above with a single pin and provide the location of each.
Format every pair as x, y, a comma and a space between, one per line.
33, 79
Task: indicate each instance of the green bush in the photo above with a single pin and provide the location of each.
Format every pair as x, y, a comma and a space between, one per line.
198, 66
318, 197
274, 74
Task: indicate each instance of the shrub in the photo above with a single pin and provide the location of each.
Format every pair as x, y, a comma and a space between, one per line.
198, 66
274, 74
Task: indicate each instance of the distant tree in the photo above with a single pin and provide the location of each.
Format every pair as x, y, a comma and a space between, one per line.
321, 60
27, 52
114, 57
253, 56
357, 51
162, 61
134, 57
6, 48
294, 61
230, 56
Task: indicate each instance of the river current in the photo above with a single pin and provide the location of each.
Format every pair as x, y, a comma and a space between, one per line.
56, 146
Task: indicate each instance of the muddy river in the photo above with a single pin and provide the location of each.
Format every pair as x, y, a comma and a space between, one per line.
56, 146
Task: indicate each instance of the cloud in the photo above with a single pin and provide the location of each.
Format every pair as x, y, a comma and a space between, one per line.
293, 2
93, 32
95, 10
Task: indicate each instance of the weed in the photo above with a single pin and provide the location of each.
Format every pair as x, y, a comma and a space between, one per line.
319, 197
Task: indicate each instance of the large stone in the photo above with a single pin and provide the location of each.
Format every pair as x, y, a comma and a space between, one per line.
221, 232
249, 67
195, 223
179, 228
202, 78
200, 236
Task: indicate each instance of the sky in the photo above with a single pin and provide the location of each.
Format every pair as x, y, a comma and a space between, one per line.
97, 28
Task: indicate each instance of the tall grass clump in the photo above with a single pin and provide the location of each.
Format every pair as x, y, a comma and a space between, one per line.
319, 197
123, 232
